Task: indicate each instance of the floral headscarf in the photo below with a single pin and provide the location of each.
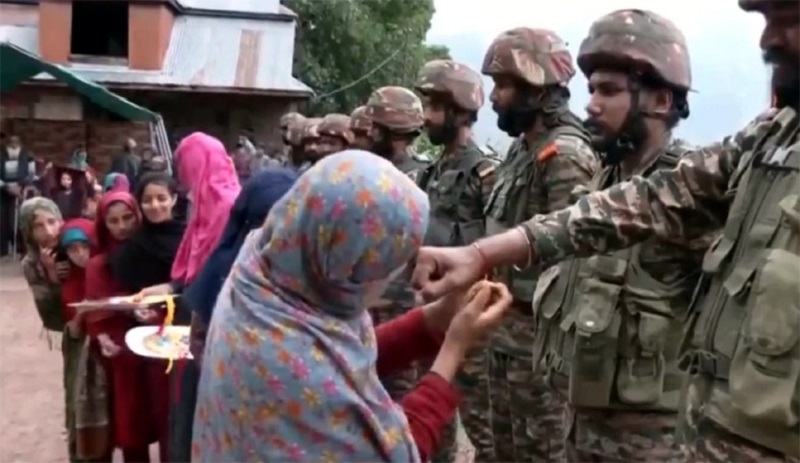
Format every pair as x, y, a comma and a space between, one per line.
291, 347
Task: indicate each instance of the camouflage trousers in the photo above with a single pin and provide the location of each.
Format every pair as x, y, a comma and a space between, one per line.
711, 444
527, 415
399, 383
621, 436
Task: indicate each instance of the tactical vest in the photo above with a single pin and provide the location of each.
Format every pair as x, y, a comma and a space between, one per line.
413, 165
451, 224
744, 354
516, 178
605, 329
400, 293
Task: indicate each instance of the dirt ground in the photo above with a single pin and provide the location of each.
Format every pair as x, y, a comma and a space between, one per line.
31, 393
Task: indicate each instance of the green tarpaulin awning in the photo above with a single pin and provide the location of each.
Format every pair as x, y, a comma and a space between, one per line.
18, 65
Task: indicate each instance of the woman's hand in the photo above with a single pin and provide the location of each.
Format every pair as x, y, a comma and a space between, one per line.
481, 316
440, 313
47, 257
145, 315
158, 290
470, 327
108, 347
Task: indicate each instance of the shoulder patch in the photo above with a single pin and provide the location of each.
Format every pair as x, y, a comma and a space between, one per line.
547, 152
486, 171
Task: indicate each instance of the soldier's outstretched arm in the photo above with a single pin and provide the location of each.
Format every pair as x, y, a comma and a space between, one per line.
680, 204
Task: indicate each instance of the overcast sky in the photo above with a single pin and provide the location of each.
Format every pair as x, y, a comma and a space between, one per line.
728, 75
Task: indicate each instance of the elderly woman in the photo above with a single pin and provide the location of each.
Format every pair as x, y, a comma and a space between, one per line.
290, 368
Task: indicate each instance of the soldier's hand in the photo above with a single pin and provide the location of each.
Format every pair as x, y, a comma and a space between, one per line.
439, 271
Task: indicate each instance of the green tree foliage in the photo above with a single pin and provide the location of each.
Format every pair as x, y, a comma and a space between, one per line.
358, 46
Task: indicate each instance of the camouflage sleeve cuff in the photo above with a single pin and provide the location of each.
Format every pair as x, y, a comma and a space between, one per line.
550, 243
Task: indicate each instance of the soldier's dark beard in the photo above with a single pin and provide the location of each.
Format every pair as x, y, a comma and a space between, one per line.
515, 121
443, 134
382, 147
785, 76
616, 146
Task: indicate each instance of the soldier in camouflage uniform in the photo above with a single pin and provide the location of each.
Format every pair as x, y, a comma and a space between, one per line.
334, 134
620, 378
292, 151
740, 399
396, 120
359, 126
550, 157
458, 184
309, 140
396, 116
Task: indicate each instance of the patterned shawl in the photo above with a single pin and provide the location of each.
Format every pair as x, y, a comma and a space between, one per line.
289, 370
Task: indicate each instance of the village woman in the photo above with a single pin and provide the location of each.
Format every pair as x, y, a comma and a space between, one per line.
249, 210
133, 423
144, 260
40, 223
203, 167
291, 348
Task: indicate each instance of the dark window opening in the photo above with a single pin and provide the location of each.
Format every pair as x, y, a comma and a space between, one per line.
99, 28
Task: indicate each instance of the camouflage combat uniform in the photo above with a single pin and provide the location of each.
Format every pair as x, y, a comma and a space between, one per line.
398, 110
288, 124
458, 185
740, 399
335, 134
619, 376
533, 179
359, 127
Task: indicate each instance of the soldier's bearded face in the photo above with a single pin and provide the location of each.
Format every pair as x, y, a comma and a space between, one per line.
608, 108
514, 115
381, 143
780, 42
361, 140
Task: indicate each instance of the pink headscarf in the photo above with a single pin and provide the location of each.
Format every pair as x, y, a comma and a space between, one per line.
204, 166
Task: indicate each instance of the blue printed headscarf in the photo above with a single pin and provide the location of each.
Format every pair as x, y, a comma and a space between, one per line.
289, 369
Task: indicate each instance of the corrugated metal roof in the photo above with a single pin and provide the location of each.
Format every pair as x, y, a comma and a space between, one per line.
245, 54
248, 6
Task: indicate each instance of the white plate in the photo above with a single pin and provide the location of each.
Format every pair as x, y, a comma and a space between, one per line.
134, 339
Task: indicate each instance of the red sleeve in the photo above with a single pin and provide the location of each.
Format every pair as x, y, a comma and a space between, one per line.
429, 408
403, 340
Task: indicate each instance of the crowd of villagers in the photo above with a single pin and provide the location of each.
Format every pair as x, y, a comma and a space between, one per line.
273, 277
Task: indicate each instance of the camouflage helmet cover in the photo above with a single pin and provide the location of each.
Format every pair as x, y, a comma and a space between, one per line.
359, 119
458, 81
288, 118
294, 131
396, 108
336, 125
311, 129
537, 56
649, 42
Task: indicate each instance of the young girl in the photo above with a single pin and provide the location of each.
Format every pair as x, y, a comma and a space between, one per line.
84, 381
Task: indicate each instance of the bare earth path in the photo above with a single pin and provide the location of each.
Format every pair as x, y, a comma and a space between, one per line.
31, 394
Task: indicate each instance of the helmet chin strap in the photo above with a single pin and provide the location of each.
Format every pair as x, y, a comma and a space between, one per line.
627, 140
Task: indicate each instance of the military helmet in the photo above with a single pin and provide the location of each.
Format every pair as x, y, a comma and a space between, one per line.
396, 108
336, 125
311, 129
648, 42
537, 56
288, 118
759, 5
294, 131
460, 83
359, 119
